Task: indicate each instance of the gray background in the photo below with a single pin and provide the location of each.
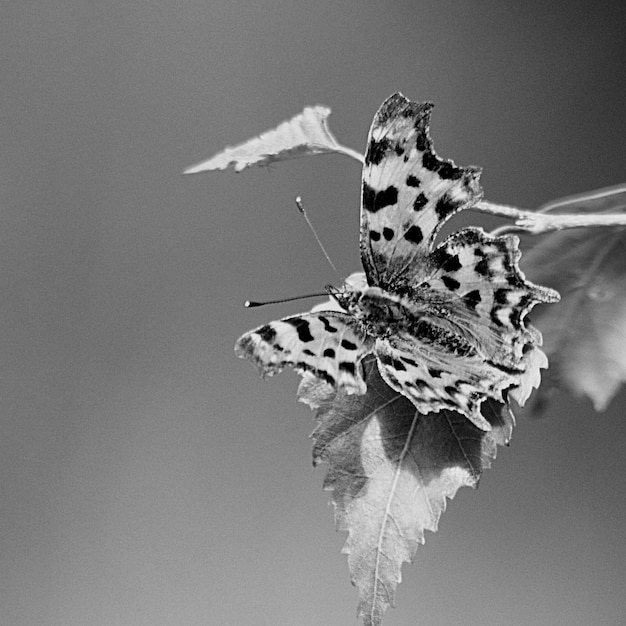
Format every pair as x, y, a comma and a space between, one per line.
147, 476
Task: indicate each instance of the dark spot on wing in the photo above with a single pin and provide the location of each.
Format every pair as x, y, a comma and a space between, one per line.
434, 373
414, 234
374, 235
413, 181
328, 327
376, 151
494, 317
308, 352
482, 268
320, 373
387, 197
348, 367
430, 161
445, 206
447, 261
388, 233
302, 326
449, 172
267, 333
472, 299
500, 296
518, 312
369, 196
374, 201
451, 283
421, 140
420, 202
453, 264
409, 361
348, 345
329, 353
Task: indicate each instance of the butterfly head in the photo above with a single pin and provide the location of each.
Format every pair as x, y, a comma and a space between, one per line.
346, 297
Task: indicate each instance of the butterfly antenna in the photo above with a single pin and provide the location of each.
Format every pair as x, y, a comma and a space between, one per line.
249, 304
319, 243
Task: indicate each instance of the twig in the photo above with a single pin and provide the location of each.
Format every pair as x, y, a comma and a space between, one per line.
538, 223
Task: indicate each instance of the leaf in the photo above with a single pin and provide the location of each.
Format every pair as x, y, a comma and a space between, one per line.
584, 334
391, 469
303, 135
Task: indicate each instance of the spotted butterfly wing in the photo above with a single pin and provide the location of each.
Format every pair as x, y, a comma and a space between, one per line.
327, 344
408, 193
465, 299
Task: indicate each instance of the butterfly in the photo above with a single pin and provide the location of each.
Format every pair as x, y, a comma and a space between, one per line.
445, 322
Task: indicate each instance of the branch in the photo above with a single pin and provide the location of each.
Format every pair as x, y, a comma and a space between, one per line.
538, 223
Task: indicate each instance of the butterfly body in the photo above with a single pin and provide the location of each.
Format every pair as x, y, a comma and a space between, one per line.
446, 321
381, 315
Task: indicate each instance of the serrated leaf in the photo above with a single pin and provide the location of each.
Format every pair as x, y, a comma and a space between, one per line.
390, 470
584, 334
303, 135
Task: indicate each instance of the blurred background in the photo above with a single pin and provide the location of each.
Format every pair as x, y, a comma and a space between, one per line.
147, 476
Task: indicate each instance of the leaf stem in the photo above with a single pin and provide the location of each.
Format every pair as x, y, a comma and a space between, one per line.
351, 153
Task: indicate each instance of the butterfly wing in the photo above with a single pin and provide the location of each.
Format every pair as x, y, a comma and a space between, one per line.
408, 193
471, 341
435, 379
327, 344
486, 295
